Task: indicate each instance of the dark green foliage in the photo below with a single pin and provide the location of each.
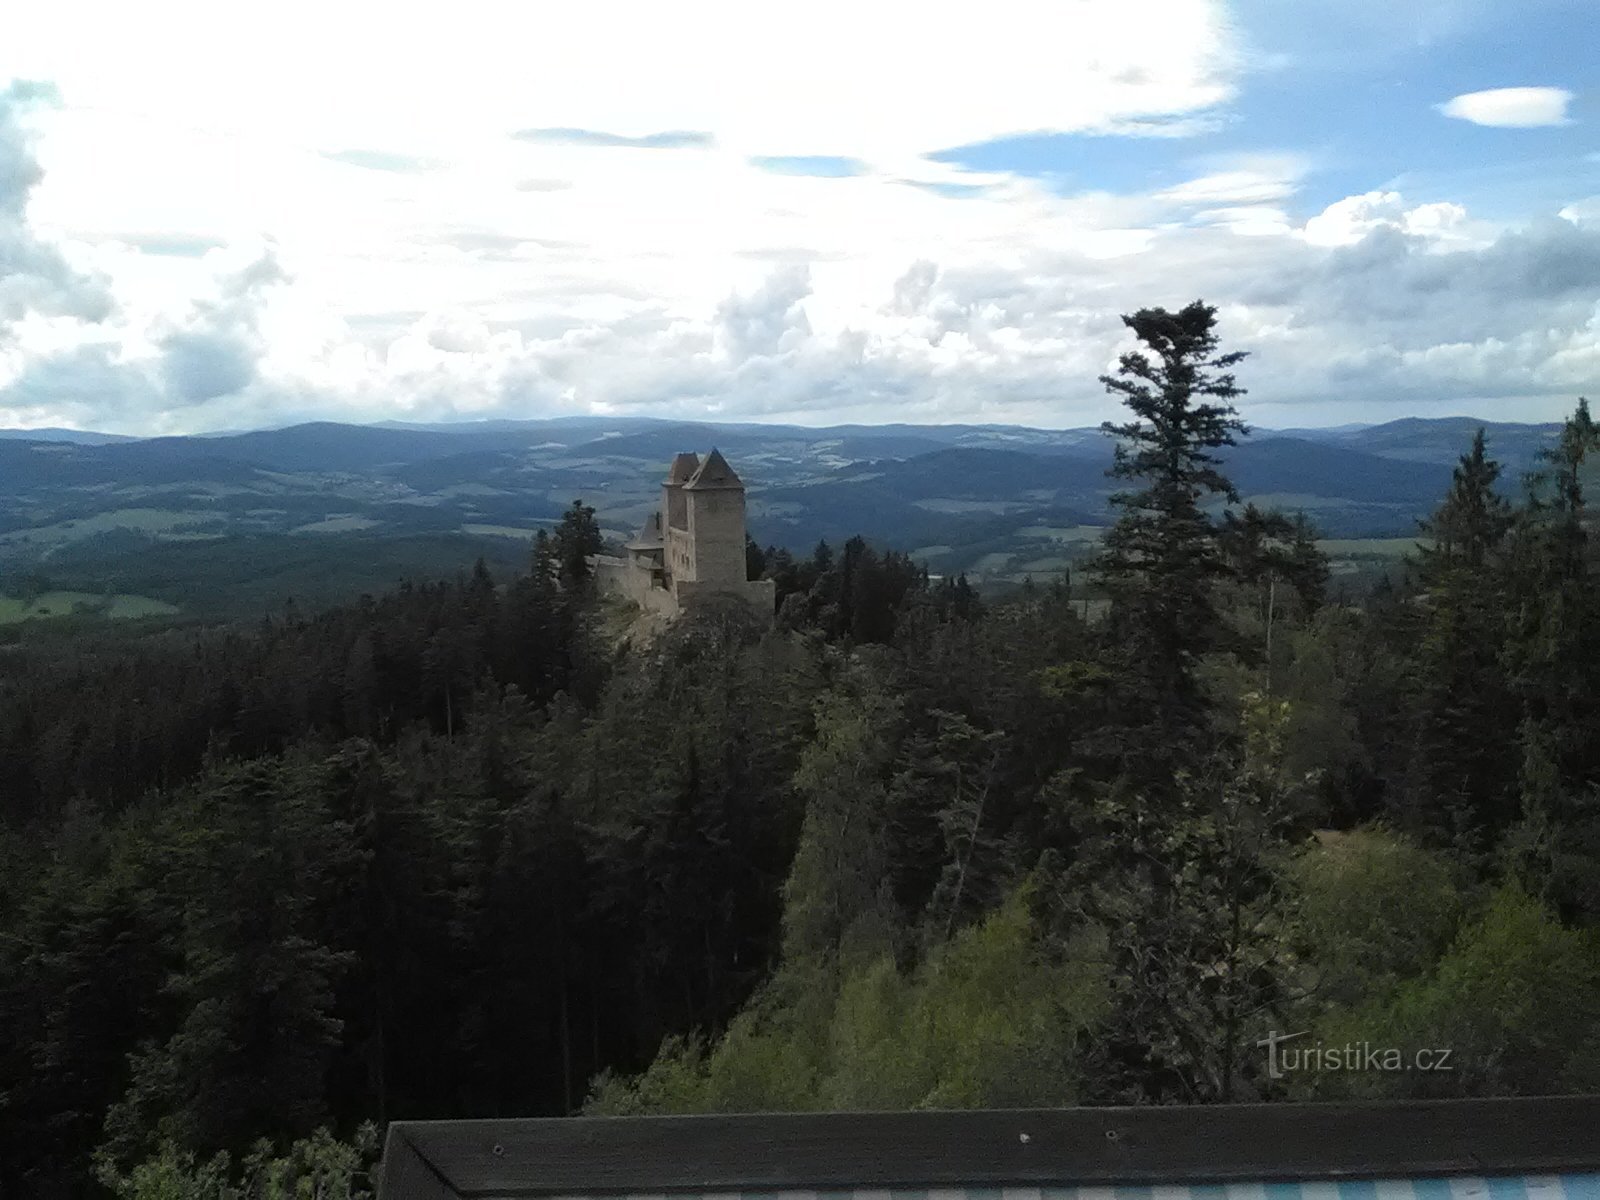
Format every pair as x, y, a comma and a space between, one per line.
1515, 1000
1161, 558
1465, 771
262, 861
464, 849
858, 595
1554, 665
576, 540
317, 1166
1191, 899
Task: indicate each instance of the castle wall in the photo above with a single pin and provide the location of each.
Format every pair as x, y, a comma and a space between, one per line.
619, 577
676, 545
716, 536
674, 506
611, 573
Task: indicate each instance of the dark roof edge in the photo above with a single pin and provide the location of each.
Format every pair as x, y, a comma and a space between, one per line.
1083, 1146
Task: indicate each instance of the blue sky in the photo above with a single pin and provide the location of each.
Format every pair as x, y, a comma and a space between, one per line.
898, 211
1356, 89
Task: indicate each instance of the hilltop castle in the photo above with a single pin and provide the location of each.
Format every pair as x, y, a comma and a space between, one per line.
691, 549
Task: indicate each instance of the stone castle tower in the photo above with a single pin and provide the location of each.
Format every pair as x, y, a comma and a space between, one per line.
692, 548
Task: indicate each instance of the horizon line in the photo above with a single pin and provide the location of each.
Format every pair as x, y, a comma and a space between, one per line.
20, 432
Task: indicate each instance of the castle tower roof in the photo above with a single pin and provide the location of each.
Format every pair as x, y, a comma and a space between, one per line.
683, 468
649, 535
714, 473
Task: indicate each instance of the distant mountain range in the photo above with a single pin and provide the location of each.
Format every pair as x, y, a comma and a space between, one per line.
1000, 502
1411, 438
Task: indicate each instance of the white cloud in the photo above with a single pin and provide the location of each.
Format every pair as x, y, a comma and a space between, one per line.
1443, 225
1583, 212
422, 262
838, 78
36, 277
1511, 108
1248, 180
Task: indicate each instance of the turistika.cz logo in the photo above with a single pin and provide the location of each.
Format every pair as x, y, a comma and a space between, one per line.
1350, 1056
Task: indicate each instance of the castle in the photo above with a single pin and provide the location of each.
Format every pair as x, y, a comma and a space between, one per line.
691, 549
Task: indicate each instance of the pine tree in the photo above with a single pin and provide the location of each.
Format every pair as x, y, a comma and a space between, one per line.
1554, 663
576, 540
1464, 776
1163, 556
1186, 895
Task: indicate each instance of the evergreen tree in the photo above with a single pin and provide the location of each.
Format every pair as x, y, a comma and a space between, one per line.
1465, 776
576, 540
1162, 557
1188, 898
1554, 662
837, 901
259, 1031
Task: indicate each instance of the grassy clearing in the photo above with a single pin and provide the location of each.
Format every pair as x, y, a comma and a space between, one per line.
1045, 566
154, 521
991, 564
508, 531
1063, 533
968, 506
1387, 548
122, 606
337, 523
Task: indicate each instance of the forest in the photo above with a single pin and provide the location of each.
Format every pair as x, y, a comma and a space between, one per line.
475, 848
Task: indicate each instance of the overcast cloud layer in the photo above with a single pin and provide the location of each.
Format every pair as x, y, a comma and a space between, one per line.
881, 212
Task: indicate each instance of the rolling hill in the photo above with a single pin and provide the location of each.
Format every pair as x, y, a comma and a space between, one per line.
1000, 502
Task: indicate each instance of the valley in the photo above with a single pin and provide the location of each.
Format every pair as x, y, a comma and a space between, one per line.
236, 525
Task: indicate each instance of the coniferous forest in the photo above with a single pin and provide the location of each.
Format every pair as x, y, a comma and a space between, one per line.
480, 848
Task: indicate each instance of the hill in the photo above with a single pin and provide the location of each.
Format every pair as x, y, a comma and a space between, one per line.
998, 502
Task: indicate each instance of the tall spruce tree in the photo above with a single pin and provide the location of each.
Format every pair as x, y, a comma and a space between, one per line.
576, 540
1160, 560
1464, 771
1554, 661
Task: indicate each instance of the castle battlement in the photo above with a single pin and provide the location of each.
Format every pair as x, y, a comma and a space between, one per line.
692, 549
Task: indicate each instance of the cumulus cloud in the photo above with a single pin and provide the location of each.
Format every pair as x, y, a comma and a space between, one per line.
142, 377
913, 289
213, 350
1511, 108
1348, 221
795, 254
35, 277
1388, 320
851, 80
769, 320
1583, 212
92, 385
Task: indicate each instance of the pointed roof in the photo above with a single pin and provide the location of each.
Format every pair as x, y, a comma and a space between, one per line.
683, 468
649, 535
714, 473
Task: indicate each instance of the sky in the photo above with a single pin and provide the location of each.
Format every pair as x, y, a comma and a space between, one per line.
245, 215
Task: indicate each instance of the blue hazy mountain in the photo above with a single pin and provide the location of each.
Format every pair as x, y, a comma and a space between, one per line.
1001, 502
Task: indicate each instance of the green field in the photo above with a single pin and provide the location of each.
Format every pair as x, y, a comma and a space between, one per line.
120, 606
1063, 533
507, 531
161, 522
337, 523
1391, 548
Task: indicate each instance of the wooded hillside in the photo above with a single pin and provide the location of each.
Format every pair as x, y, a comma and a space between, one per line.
463, 850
